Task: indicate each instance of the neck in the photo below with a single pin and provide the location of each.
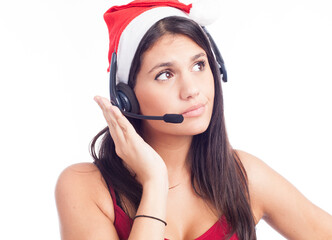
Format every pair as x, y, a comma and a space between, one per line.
174, 151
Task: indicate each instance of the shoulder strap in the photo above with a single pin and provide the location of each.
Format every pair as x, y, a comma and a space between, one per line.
113, 195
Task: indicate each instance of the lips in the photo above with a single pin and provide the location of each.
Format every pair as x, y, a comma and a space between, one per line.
194, 111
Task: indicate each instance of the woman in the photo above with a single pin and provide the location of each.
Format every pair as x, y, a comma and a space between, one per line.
156, 180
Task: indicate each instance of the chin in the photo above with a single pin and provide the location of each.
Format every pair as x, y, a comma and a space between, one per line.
195, 128
189, 127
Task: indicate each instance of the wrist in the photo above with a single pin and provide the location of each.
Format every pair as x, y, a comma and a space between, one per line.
156, 176
157, 183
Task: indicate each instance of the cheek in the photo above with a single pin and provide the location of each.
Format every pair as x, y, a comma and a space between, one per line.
208, 88
211, 91
212, 87
151, 102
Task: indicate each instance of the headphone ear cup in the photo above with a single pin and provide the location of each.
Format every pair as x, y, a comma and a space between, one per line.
127, 98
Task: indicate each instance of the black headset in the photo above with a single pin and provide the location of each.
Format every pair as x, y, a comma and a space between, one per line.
124, 98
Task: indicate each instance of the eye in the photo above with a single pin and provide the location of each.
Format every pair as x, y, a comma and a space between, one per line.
163, 76
199, 66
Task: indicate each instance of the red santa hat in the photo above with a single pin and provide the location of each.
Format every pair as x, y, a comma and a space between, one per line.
127, 25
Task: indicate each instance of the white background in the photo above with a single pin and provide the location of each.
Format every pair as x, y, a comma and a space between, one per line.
53, 60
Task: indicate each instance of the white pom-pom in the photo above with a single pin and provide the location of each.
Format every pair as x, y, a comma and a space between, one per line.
205, 12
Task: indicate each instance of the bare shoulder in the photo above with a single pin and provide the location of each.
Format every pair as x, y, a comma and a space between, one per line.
256, 171
79, 169
80, 178
80, 172
84, 181
261, 177
249, 161
279, 203
83, 202
263, 183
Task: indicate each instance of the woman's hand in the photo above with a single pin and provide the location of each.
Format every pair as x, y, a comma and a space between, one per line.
138, 156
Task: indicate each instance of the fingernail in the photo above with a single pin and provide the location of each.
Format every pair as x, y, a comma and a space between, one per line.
98, 101
96, 98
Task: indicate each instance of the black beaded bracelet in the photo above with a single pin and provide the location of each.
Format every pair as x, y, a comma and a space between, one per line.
151, 217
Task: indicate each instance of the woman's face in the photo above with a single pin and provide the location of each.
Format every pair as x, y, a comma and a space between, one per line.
175, 77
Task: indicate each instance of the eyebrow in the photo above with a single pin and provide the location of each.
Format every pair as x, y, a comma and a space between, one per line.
170, 64
197, 56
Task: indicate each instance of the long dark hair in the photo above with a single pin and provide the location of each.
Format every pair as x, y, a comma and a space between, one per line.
217, 174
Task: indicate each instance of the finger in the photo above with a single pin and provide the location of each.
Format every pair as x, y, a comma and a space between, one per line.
117, 115
107, 116
120, 128
108, 111
125, 130
123, 122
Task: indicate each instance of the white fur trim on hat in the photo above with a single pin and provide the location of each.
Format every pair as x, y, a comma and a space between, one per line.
205, 12
133, 34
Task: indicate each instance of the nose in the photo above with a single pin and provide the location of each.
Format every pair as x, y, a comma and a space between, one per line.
189, 88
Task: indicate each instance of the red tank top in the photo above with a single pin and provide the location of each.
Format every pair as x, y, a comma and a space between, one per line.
123, 223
